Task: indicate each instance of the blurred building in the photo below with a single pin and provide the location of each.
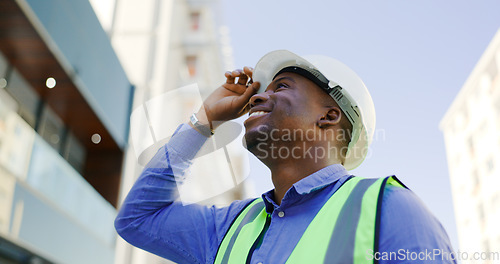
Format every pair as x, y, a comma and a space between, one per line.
471, 129
176, 53
65, 102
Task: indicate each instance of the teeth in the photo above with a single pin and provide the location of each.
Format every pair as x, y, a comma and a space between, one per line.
258, 113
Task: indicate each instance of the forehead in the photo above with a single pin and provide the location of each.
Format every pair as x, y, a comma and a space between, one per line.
300, 80
307, 88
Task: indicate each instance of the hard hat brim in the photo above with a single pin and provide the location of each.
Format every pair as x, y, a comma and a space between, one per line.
271, 63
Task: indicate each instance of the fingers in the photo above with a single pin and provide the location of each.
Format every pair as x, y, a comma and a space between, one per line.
243, 78
242, 75
229, 77
248, 71
239, 89
249, 92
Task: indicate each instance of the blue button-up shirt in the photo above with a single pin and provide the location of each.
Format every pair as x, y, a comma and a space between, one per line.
153, 219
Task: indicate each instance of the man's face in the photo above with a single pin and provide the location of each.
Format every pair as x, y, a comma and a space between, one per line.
290, 103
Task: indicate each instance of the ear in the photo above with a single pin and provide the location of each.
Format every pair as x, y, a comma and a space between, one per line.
330, 118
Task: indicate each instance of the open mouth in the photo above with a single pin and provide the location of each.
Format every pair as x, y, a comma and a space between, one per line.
256, 114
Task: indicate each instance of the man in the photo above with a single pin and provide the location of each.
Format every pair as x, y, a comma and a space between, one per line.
319, 113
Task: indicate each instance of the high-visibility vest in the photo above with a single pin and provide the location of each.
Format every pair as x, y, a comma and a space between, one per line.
345, 230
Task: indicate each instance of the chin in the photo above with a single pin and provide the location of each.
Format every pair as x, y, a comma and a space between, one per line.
256, 133
249, 142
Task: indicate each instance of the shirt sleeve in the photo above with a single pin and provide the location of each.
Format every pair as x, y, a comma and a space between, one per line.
409, 232
152, 218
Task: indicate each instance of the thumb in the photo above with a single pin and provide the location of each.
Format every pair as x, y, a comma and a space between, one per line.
249, 92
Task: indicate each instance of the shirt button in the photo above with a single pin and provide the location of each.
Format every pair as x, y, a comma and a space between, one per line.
281, 214
259, 262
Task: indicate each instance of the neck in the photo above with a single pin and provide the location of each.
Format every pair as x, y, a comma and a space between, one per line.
299, 161
287, 172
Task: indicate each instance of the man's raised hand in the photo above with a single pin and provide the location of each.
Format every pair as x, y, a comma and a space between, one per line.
230, 100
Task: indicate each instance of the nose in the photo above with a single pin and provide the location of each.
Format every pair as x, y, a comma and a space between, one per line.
259, 98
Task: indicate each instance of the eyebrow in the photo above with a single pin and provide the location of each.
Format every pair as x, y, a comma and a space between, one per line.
284, 77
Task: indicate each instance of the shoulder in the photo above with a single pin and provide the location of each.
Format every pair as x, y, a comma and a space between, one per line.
402, 207
226, 216
397, 200
407, 224
230, 213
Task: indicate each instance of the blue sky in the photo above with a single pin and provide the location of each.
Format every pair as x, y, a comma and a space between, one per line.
414, 57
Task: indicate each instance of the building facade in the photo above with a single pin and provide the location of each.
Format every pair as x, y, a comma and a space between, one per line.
471, 129
176, 53
65, 103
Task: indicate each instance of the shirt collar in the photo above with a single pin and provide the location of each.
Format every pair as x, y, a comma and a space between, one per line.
320, 179
311, 183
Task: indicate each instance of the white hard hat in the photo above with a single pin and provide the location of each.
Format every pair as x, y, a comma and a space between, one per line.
340, 82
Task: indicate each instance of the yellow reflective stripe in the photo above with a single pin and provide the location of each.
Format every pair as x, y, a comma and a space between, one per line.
313, 244
249, 233
395, 182
365, 234
234, 226
343, 238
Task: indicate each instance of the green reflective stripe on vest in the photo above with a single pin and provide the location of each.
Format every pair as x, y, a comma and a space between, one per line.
343, 242
313, 244
244, 242
341, 232
393, 180
249, 215
365, 235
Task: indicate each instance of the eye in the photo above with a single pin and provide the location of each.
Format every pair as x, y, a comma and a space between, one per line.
281, 86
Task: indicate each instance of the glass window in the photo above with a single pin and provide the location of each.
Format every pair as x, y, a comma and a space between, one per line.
16, 137
5, 110
490, 164
3, 66
480, 210
495, 201
191, 62
194, 18
486, 245
7, 103
75, 153
461, 120
475, 178
22, 92
470, 144
497, 106
492, 68
51, 128
18, 96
